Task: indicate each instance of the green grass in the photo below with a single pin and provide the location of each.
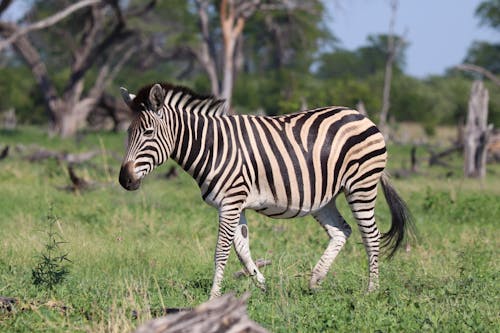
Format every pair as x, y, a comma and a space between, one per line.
135, 253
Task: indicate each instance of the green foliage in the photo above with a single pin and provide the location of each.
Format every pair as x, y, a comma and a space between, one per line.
488, 12
484, 54
363, 62
18, 91
51, 268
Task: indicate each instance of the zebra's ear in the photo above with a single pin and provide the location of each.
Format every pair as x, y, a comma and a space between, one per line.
127, 98
156, 97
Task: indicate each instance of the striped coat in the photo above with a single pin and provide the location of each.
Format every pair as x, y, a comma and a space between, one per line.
282, 167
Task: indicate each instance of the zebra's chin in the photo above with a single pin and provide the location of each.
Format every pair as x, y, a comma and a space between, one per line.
132, 186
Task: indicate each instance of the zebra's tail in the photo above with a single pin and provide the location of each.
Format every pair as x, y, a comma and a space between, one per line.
402, 221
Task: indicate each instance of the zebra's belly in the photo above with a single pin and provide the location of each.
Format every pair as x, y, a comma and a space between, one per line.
282, 209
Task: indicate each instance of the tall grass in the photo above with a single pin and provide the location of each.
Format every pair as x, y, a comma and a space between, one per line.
136, 253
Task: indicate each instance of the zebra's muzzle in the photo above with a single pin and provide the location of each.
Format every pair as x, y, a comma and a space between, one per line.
128, 179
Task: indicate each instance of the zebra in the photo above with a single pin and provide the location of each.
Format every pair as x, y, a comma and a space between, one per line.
280, 166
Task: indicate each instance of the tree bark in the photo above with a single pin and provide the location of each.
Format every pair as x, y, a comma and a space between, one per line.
206, 53
476, 132
233, 15
223, 314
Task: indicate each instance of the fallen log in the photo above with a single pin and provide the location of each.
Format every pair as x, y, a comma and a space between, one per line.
436, 157
223, 314
73, 158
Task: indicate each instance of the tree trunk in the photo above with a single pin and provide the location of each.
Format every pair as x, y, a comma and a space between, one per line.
476, 132
68, 110
206, 53
70, 116
232, 26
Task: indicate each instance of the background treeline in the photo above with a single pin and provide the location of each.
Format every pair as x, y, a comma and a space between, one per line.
285, 58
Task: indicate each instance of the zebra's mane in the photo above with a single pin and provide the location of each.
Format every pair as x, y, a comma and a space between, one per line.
211, 104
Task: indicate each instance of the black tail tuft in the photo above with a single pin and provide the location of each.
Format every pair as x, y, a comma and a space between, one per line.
402, 220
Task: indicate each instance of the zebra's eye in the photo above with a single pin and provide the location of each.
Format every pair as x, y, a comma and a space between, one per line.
149, 132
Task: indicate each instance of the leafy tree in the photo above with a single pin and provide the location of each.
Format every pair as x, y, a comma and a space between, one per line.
279, 48
362, 62
95, 40
489, 13
19, 92
484, 54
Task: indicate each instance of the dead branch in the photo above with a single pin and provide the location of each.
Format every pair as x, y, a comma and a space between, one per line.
480, 70
436, 157
51, 20
73, 158
223, 314
4, 153
259, 263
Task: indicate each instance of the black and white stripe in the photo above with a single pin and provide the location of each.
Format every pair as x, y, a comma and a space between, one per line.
282, 167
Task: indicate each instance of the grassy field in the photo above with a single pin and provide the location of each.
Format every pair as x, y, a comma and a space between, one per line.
133, 254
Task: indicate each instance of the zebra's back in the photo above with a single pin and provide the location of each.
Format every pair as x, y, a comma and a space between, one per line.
297, 163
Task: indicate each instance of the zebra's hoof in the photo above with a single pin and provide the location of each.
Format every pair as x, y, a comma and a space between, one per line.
261, 285
372, 288
315, 282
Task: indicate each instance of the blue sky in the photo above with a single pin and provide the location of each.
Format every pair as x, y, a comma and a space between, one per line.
439, 31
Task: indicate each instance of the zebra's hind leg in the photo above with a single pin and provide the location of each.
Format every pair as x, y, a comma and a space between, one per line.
362, 205
338, 231
242, 248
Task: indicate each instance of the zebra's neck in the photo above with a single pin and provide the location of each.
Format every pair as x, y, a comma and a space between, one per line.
194, 143
196, 126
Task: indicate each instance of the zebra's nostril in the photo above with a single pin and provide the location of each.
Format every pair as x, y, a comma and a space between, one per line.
127, 177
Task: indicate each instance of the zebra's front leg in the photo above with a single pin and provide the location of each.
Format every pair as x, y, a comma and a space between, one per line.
242, 248
228, 221
338, 231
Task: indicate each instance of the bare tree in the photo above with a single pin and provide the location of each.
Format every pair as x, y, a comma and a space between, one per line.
392, 49
477, 132
233, 16
221, 69
104, 42
45, 23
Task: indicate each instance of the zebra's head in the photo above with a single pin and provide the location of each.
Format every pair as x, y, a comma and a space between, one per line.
148, 142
